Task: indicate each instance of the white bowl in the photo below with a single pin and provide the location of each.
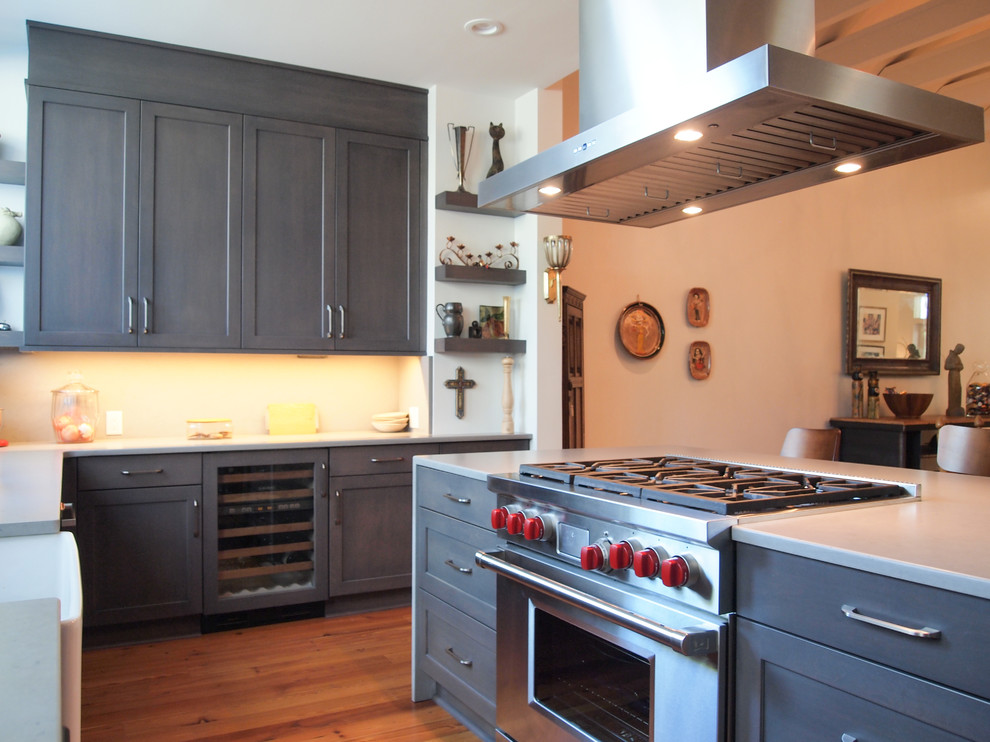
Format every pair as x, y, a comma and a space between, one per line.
391, 416
390, 426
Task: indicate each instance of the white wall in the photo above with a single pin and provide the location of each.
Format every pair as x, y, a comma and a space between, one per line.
776, 272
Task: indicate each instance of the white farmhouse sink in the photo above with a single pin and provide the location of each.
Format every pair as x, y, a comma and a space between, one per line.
47, 566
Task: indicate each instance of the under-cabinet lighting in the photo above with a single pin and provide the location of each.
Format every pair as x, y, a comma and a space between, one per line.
688, 135
549, 190
692, 210
848, 167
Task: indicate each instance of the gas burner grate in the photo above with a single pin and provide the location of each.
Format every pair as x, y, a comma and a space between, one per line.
716, 487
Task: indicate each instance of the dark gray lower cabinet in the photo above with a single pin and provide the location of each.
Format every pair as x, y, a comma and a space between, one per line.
139, 532
808, 667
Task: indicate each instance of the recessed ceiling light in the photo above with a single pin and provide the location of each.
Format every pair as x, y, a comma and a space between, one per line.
484, 27
549, 190
688, 135
692, 210
848, 167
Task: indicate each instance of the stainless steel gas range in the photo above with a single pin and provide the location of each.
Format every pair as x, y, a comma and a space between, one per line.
615, 590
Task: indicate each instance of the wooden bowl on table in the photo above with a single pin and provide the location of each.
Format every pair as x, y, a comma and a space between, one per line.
907, 404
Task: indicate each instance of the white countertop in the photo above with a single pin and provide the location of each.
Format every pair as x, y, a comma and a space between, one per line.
940, 540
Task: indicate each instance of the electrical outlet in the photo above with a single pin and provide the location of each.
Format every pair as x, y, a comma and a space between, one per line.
115, 422
414, 417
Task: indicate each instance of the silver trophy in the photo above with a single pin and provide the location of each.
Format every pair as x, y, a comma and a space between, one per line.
461, 141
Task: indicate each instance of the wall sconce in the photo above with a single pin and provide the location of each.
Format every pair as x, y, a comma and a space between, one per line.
558, 251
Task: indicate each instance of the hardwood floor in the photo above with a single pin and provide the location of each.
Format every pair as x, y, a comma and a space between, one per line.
342, 678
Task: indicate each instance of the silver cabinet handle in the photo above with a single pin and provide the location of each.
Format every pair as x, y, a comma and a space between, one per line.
452, 653
329, 322
922, 633
130, 315
147, 316
342, 319
388, 461
129, 473
195, 518
686, 641
463, 570
461, 500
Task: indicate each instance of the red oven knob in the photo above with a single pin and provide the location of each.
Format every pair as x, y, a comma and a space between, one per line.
514, 523
678, 571
593, 558
499, 517
620, 556
646, 563
537, 528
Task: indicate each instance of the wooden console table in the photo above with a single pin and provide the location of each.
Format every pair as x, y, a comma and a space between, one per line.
892, 441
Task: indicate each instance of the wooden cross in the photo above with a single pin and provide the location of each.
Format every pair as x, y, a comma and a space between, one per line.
459, 384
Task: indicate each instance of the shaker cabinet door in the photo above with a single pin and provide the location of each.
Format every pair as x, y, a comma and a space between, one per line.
190, 236
289, 298
380, 273
82, 219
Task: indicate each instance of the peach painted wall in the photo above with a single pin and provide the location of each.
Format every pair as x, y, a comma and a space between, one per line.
776, 273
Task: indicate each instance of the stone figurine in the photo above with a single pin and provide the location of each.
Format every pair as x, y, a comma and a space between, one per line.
497, 131
857, 394
873, 396
953, 364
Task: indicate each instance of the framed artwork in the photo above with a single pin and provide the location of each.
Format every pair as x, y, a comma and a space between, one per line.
492, 320
872, 323
698, 307
700, 360
641, 330
869, 351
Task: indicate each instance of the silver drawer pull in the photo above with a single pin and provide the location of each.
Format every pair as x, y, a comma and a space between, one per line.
388, 461
848, 738
922, 633
452, 653
128, 473
462, 570
461, 500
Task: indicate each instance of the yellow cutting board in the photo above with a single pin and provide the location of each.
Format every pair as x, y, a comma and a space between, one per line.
292, 419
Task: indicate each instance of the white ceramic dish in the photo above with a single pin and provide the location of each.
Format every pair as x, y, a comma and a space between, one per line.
390, 426
391, 416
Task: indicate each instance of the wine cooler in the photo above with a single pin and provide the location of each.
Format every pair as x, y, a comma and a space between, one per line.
265, 527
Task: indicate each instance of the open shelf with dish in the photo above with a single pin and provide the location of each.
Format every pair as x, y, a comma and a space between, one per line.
479, 345
479, 274
468, 202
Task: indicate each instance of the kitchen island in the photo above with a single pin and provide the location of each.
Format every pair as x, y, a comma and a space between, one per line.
920, 562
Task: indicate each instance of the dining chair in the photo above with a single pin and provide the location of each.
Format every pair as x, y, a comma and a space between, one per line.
964, 450
812, 443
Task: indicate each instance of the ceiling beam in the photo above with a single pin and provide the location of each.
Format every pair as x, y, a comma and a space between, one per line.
828, 12
873, 46
943, 64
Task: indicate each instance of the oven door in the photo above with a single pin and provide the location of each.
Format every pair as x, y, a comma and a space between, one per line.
582, 659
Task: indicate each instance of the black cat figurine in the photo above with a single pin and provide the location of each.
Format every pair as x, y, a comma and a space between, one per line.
497, 132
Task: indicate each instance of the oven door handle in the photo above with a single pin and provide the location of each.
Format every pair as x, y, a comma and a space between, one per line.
691, 641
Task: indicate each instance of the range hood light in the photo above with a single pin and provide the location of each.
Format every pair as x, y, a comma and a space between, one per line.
549, 190
692, 210
848, 167
688, 135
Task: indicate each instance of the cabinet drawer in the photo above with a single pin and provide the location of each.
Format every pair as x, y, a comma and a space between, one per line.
445, 564
459, 654
459, 497
120, 472
806, 597
377, 459
841, 696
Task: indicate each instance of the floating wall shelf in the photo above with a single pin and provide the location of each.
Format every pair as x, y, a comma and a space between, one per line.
11, 172
11, 255
464, 201
479, 345
477, 274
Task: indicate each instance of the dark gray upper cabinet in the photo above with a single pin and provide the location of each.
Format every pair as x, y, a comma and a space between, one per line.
288, 235
228, 204
82, 219
190, 229
380, 276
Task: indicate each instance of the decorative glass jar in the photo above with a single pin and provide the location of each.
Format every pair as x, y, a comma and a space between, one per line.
978, 391
75, 412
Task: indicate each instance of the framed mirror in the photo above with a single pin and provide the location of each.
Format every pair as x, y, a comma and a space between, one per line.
893, 323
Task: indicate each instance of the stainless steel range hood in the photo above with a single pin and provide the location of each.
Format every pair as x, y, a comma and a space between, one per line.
773, 119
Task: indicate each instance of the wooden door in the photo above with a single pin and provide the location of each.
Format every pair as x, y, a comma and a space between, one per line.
573, 368
190, 235
82, 219
288, 236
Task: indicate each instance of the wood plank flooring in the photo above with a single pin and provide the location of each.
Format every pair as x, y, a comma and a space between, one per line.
342, 678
